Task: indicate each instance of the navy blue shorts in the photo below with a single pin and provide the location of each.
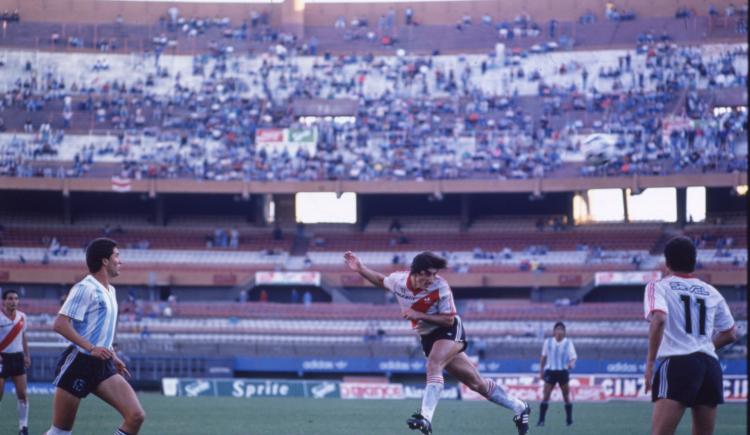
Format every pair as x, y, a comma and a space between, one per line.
454, 333
11, 365
79, 374
553, 377
694, 379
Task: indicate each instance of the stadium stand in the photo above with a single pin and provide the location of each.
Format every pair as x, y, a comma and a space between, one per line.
151, 101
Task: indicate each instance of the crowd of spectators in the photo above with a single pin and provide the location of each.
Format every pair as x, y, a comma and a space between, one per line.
10, 16
614, 13
222, 238
417, 118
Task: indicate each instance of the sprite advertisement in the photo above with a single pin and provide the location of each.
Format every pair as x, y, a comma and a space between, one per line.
249, 388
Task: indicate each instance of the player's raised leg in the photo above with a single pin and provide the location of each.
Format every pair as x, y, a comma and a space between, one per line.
704, 419
116, 391
64, 410
666, 416
464, 370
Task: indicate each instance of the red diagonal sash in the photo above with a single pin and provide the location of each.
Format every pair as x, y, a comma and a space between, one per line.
17, 328
424, 304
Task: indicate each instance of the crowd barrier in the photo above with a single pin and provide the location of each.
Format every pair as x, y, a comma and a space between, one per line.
416, 365
583, 388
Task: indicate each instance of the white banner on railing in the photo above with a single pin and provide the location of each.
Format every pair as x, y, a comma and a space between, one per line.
287, 278
596, 388
626, 278
277, 140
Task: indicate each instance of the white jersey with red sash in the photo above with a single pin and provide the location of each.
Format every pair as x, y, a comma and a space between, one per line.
435, 299
11, 332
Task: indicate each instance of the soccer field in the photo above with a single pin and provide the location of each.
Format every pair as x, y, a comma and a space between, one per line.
292, 416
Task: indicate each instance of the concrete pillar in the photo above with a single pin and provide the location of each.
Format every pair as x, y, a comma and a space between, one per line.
160, 214
257, 214
465, 211
67, 215
569, 209
285, 209
362, 216
293, 17
681, 206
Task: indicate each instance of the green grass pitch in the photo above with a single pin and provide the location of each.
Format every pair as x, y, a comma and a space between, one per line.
292, 416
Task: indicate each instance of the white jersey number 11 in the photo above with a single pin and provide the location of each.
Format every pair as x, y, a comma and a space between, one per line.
686, 300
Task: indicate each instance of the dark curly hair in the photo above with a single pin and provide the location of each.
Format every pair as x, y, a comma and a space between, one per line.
427, 260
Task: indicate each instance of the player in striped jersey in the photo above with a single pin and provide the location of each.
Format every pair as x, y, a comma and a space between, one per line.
88, 319
689, 320
558, 357
427, 301
14, 355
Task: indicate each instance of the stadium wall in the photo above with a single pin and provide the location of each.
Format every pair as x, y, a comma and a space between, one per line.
163, 207
132, 12
574, 184
325, 14
584, 388
186, 276
634, 293
449, 12
370, 295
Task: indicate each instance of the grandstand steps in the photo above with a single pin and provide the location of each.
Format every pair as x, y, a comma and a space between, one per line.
251, 239
491, 310
344, 334
651, 263
339, 295
581, 293
416, 39
300, 245
85, 122
295, 262
661, 243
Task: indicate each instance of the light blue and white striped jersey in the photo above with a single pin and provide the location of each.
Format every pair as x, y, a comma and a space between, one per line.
93, 309
558, 353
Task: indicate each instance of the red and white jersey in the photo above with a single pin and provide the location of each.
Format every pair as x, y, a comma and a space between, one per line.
11, 332
435, 299
694, 311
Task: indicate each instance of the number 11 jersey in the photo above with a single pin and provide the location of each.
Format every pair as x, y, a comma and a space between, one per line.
694, 311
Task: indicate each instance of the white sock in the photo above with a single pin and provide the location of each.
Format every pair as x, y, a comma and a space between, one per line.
496, 394
55, 431
431, 396
23, 413
120, 432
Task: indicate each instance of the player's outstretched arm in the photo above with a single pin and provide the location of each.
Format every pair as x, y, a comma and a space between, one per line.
353, 262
